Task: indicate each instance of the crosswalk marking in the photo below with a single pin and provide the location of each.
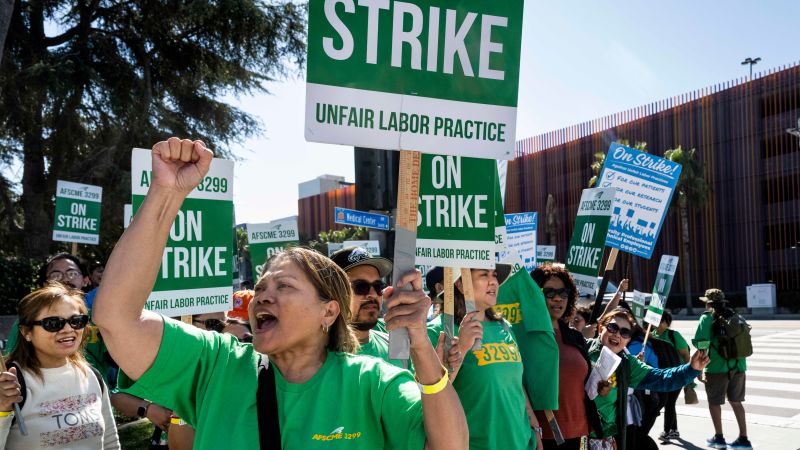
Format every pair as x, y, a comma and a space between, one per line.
775, 402
772, 374
773, 365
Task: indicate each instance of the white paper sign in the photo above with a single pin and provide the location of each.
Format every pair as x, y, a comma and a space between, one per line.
606, 365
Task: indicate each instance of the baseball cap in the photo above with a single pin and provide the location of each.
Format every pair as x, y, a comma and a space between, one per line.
241, 299
713, 295
350, 257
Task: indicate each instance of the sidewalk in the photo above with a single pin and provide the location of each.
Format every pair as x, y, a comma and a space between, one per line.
695, 430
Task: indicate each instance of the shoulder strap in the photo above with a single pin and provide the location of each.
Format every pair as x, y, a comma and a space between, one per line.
22, 388
269, 429
99, 379
671, 335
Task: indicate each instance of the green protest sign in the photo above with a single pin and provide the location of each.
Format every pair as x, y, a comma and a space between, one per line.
638, 307
77, 217
432, 76
267, 239
195, 275
589, 238
455, 220
666, 272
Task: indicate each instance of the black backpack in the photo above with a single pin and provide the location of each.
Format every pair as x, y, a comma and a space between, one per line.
667, 354
733, 335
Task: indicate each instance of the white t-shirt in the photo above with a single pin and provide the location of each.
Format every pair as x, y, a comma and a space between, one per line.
65, 409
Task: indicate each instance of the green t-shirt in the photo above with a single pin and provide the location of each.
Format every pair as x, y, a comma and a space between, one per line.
680, 342
489, 385
380, 326
522, 304
378, 347
718, 364
210, 380
607, 406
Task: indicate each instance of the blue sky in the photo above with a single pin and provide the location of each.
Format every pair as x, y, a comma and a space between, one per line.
580, 60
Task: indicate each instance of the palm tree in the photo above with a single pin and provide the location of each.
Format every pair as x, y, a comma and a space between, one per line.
691, 192
600, 159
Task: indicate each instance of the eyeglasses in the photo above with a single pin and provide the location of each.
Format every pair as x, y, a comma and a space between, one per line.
613, 328
54, 324
361, 287
58, 275
211, 324
561, 292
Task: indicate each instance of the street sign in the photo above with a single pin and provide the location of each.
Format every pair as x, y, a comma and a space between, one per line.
455, 223
267, 239
545, 253
589, 238
355, 218
666, 272
195, 275
644, 185
431, 76
77, 216
521, 237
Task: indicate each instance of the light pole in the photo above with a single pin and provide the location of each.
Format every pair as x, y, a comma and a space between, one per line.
752, 62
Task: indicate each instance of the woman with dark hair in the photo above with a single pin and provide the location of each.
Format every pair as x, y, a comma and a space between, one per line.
576, 414
66, 403
308, 389
489, 382
616, 329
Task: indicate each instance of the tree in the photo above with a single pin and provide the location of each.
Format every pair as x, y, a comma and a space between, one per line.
6, 7
691, 192
600, 160
118, 75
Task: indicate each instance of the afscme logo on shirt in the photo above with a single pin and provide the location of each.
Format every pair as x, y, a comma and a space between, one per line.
335, 435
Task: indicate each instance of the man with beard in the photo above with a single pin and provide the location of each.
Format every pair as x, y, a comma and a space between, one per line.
366, 273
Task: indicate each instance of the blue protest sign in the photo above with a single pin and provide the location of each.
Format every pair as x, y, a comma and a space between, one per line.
521, 237
360, 219
644, 185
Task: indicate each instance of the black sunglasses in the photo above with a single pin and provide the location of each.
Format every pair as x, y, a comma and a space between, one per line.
361, 287
613, 328
54, 324
211, 324
561, 292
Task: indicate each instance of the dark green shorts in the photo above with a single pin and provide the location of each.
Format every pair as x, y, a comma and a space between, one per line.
720, 385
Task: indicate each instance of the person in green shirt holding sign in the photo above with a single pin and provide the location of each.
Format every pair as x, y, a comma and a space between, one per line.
489, 382
616, 329
308, 391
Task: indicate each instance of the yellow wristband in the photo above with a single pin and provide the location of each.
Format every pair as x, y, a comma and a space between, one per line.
176, 421
430, 389
6, 413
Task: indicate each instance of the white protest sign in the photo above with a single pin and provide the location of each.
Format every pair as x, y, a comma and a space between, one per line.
373, 247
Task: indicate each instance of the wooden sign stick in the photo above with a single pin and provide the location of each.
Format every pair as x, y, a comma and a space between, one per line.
75, 248
405, 238
646, 336
469, 300
448, 320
